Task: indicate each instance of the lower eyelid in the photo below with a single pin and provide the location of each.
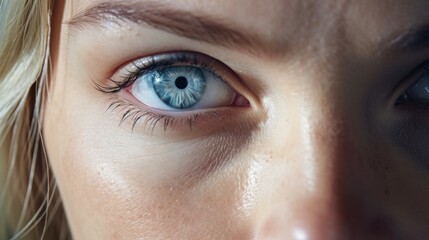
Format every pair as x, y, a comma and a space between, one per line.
128, 97
194, 123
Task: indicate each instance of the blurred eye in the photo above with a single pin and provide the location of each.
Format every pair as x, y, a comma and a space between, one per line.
182, 87
418, 92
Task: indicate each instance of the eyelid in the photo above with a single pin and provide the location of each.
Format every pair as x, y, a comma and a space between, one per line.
130, 108
146, 120
406, 82
123, 77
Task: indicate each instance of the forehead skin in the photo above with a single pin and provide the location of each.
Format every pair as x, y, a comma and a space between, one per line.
287, 25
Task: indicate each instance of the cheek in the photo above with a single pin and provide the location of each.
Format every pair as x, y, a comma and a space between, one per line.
117, 184
116, 202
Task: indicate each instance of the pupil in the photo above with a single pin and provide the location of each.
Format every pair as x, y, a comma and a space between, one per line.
181, 82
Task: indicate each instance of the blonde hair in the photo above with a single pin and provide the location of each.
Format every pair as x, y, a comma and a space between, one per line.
30, 207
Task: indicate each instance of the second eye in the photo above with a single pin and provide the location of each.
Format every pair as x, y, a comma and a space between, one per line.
182, 88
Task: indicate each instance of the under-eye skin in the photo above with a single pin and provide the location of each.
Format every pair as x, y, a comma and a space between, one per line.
173, 89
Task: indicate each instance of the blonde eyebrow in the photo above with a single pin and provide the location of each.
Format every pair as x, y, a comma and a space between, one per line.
179, 22
213, 30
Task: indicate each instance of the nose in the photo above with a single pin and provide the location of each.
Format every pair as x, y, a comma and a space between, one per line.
317, 183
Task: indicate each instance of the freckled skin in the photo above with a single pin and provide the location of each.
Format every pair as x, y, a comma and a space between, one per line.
319, 154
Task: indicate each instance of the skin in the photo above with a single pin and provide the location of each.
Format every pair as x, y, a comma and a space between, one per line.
322, 152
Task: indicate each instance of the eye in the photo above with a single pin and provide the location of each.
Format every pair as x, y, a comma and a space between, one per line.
418, 92
182, 87
174, 89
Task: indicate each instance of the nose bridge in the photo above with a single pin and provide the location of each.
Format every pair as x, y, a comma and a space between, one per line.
318, 133
325, 142
308, 199
314, 159
326, 146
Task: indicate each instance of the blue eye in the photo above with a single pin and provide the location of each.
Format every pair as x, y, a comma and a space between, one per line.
182, 88
174, 88
179, 87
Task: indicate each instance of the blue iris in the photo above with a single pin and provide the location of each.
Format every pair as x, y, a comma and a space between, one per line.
179, 87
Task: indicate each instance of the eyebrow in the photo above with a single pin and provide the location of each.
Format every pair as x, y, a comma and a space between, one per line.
413, 39
208, 29
179, 22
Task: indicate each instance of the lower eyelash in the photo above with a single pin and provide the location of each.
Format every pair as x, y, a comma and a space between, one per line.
151, 120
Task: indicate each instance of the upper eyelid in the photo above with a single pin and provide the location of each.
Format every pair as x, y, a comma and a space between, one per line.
414, 75
226, 74
405, 82
129, 72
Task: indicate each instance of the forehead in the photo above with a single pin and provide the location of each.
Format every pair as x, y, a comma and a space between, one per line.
283, 22
281, 12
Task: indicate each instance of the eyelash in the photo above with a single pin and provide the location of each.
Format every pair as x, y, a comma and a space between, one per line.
151, 119
167, 60
145, 65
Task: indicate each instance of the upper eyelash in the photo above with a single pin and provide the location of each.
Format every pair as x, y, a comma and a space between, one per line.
151, 63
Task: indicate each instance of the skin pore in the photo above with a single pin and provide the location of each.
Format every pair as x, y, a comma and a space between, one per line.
313, 145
